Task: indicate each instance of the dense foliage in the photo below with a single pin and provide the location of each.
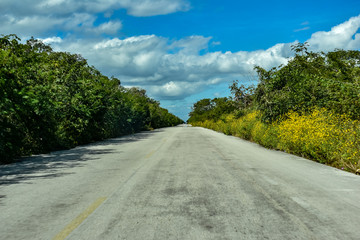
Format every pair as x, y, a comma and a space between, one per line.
210, 109
310, 106
53, 100
325, 80
330, 80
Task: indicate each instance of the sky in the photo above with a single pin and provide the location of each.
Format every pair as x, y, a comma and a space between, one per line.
182, 51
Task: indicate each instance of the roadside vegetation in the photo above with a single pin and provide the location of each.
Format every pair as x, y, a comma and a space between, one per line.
54, 100
309, 107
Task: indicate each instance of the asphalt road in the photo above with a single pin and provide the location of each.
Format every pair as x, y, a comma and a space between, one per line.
176, 183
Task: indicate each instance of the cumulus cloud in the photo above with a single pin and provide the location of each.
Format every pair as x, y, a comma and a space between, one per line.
139, 8
143, 8
111, 28
28, 17
172, 69
175, 69
27, 25
51, 40
342, 36
172, 90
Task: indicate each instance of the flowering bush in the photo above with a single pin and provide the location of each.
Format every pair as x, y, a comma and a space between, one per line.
322, 136
318, 134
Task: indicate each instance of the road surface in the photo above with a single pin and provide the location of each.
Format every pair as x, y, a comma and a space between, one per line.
176, 183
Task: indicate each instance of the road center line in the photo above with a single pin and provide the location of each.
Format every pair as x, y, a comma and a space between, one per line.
150, 154
79, 219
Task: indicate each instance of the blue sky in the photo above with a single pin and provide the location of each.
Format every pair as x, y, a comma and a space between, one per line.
181, 51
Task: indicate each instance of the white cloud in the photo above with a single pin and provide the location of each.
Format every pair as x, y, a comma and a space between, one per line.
302, 29
172, 90
172, 69
111, 28
51, 40
78, 21
52, 3
343, 36
175, 69
144, 8
191, 45
42, 17
139, 8
216, 43
305, 23
27, 25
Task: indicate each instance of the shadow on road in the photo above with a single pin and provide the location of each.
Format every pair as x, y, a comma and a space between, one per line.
1, 197
49, 165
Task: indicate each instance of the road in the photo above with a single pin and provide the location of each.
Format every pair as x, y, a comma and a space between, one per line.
176, 183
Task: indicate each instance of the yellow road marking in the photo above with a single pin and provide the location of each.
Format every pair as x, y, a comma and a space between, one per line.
79, 219
150, 154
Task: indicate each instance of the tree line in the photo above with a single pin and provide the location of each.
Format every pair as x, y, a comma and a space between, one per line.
54, 100
310, 79
310, 107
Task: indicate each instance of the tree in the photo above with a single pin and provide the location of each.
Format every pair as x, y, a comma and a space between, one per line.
242, 95
54, 100
329, 80
207, 109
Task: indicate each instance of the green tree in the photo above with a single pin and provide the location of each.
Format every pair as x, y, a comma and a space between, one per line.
310, 80
207, 109
53, 100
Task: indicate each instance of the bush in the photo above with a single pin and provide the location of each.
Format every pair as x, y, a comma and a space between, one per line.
320, 135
